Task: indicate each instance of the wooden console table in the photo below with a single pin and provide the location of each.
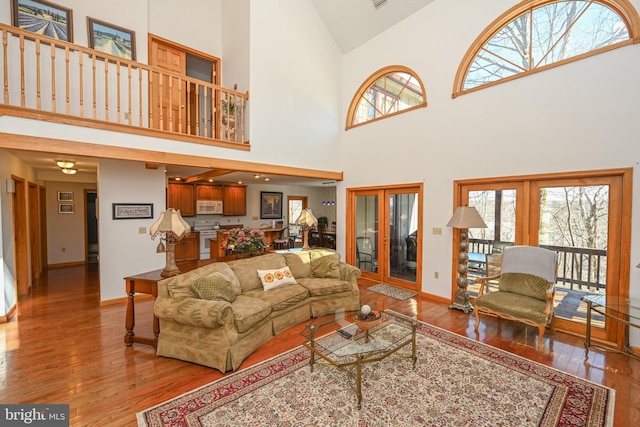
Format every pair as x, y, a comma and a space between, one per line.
145, 283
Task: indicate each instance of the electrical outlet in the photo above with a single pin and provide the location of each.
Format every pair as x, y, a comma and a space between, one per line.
238, 219
437, 230
436, 275
255, 218
64, 249
142, 230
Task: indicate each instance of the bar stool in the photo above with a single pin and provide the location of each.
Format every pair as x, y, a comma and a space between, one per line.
280, 244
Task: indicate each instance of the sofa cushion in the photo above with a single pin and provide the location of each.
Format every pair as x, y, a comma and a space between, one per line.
248, 312
300, 263
320, 286
281, 298
524, 284
325, 264
214, 286
516, 305
272, 279
246, 269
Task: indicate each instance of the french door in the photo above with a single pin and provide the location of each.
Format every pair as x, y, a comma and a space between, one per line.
384, 233
578, 215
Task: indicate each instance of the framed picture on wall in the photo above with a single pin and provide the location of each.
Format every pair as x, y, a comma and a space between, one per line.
111, 39
43, 17
66, 208
270, 205
132, 210
65, 196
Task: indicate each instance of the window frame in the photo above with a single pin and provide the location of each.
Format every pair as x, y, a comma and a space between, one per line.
353, 107
623, 8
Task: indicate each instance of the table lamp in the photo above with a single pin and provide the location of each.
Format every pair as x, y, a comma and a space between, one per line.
306, 220
174, 228
463, 218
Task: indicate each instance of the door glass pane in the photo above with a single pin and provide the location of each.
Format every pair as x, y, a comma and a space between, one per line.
367, 233
403, 232
498, 210
574, 221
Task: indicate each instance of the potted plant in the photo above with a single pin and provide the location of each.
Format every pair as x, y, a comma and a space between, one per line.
323, 220
229, 109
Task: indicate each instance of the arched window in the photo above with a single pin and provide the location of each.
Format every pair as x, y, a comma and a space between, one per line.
388, 91
539, 34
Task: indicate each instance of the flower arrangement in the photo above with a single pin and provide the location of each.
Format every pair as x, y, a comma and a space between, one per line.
246, 238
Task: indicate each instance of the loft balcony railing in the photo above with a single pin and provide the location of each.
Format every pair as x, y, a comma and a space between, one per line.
54, 80
582, 269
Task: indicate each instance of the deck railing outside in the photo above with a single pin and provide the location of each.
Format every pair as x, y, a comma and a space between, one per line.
43, 74
583, 269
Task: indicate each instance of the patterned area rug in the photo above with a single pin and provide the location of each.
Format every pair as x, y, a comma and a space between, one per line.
392, 291
457, 381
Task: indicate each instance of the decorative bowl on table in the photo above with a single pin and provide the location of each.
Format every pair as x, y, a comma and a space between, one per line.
367, 318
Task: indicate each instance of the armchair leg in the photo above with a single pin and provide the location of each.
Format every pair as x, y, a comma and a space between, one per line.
475, 328
541, 329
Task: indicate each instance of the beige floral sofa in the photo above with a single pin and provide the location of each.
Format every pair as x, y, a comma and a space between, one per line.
219, 314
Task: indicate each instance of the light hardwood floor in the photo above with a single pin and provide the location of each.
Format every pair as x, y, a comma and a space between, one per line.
62, 347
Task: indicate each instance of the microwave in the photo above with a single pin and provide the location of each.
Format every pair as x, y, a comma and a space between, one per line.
208, 207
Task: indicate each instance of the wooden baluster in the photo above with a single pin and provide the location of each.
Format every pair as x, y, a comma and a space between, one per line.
118, 92
204, 113
95, 90
5, 47
153, 99
140, 96
188, 132
22, 96
197, 89
53, 77
130, 100
67, 80
106, 89
242, 139
170, 125
180, 107
38, 77
160, 98
81, 68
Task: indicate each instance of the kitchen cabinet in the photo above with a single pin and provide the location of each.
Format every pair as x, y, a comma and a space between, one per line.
234, 199
181, 196
208, 192
188, 249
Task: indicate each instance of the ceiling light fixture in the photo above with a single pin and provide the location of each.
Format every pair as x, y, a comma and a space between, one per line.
69, 171
65, 164
256, 176
267, 179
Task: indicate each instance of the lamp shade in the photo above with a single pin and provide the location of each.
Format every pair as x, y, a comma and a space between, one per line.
170, 221
306, 218
466, 217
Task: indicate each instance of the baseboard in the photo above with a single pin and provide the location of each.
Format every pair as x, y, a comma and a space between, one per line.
116, 301
67, 264
7, 317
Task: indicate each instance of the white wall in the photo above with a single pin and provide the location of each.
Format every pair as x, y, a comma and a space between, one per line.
124, 250
66, 231
580, 116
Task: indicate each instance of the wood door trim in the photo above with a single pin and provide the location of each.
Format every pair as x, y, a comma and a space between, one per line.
21, 265
214, 59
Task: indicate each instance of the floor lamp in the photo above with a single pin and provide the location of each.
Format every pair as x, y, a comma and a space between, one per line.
174, 228
306, 220
464, 218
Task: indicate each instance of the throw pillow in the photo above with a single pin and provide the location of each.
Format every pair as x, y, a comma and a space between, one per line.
325, 264
180, 290
272, 279
214, 287
524, 284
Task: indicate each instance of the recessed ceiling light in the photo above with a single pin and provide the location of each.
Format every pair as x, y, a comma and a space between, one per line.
256, 176
65, 164
177, 178
210, 180
69, 171
239, 182
266, 179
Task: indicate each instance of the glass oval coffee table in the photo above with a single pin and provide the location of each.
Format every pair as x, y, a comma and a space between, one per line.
351, 348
